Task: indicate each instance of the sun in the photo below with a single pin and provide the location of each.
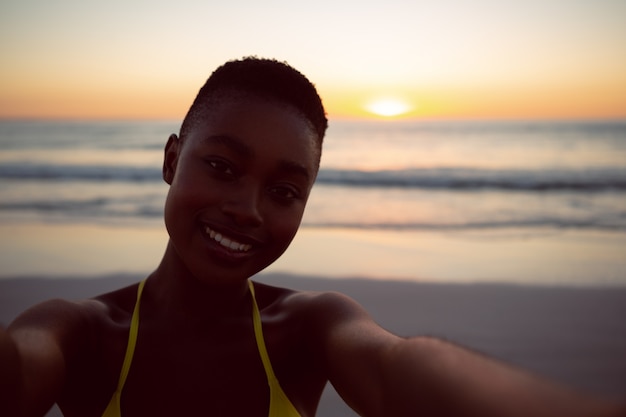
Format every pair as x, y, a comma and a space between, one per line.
388, 107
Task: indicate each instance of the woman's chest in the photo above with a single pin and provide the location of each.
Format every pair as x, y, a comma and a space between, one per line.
210, 371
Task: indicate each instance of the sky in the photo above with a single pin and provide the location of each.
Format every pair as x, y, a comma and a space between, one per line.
443, 59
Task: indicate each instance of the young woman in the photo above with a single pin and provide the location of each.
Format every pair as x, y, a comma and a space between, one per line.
198, 338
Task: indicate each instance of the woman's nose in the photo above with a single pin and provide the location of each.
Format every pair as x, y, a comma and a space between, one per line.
243, 206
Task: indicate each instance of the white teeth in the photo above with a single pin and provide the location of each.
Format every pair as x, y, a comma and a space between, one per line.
226, 242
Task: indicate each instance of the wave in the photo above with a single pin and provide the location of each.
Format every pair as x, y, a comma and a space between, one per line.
530, 223
593, 179
43, 172
113, 211
107, 209
473, 179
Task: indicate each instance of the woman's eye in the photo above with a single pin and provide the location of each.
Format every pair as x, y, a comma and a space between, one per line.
284, 192
221, 167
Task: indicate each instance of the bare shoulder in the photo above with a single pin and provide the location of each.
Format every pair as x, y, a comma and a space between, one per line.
329, 317
61, 347
349, 346
318, 306
61, 315
74, 329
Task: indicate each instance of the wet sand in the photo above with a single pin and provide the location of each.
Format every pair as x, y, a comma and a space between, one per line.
575, 335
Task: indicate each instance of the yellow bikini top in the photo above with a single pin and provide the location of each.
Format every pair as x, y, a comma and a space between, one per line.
280, 406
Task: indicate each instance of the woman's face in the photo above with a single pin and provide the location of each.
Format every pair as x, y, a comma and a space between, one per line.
239, 182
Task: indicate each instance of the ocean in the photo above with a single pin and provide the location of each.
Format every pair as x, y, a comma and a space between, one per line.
512, 203
476, 182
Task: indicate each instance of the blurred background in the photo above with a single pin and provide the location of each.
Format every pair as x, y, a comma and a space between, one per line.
470, 142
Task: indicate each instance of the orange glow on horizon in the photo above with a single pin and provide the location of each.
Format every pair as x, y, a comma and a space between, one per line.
165, 101
530, 59
552, 102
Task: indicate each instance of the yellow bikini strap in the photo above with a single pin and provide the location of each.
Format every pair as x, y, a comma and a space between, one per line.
280, 405
260, 342
132, 339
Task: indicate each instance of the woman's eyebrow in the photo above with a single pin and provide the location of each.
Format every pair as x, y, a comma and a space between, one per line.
232, 143
237, 146
295, 168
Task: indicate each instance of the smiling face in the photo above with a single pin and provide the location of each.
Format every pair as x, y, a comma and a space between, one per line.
239, 182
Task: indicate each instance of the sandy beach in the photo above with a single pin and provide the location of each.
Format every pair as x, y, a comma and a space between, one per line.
575, 335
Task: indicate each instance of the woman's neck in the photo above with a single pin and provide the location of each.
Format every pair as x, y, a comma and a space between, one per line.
172, 290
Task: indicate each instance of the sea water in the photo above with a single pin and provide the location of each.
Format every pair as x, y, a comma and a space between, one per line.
396, 180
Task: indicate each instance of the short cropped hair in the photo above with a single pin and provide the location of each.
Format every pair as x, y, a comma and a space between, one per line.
266, 79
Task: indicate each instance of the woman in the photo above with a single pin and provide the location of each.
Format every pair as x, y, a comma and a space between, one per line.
197, 337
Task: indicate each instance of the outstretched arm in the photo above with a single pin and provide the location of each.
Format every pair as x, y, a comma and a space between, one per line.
379, 374
438, 378
32, 371
9, 363
33, 352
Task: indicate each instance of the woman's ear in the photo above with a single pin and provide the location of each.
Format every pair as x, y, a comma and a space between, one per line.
170, 159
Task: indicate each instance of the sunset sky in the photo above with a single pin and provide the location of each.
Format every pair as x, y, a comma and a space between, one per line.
427, 59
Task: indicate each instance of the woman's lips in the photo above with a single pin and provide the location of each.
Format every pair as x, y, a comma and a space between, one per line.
226, 241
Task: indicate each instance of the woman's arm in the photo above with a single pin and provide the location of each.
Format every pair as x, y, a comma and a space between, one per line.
10, 371
435, 377
380, 374
33, 352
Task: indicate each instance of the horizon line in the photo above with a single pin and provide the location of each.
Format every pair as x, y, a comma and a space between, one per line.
374, 119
